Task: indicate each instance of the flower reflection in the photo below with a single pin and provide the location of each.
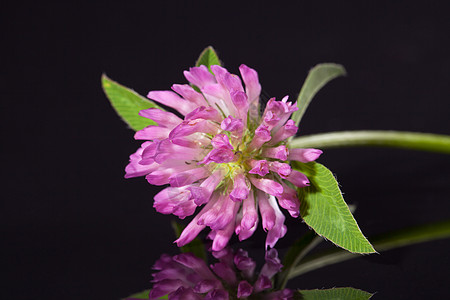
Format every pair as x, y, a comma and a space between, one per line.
186, 276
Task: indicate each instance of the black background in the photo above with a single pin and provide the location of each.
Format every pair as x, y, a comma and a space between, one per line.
74, 228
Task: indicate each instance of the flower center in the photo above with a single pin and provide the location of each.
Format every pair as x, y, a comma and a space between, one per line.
235, 154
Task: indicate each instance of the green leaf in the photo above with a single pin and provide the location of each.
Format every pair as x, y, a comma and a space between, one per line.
347, 293
295, 254
316, 79
384, 242
195, 247
127, 103
142, 295
323, 208
208, 57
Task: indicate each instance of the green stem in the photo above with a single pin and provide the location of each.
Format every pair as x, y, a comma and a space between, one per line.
295, 254
298, 251
384, 242
397, 139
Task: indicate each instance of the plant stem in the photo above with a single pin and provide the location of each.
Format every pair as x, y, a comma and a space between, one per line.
297, 252
304, 245
397, 139
383, 242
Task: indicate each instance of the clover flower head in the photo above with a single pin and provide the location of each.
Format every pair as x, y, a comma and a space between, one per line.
222, 155
186, 276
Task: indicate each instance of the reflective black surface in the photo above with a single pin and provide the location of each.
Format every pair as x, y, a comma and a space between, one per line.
75, 229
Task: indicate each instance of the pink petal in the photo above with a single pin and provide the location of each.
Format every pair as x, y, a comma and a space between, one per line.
233, 83
168, 150
282, 169
163, 118
225, 272
244, 289
164, 287
241, 188
199, 76
195, 140
233, 125
167, 145
289, 129
262, 283
260, 167
221, 141
152, 132
277, 113
240, 101
220, 215
250, 215
184, 293
279, 229
194, 263
161, 175
267, 185
203, 193
229, 81
189, 127
169, 272
273, 264
267, 211
244, 263
175, 201
217, 294
172, 100
149, 153
188, 177
224, 255
289, 201
218, 156
219, 97
271, 119
252, 86
280, 152
206, 285
193, 228
202, 112
134, 168
262, 135
188, 93
285, 294
298, 179
246, 233
304, 155
219, 72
